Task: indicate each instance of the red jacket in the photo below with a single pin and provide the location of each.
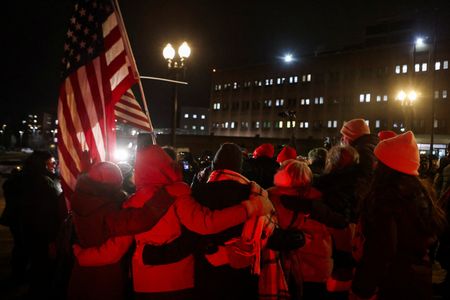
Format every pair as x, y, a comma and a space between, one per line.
313, 259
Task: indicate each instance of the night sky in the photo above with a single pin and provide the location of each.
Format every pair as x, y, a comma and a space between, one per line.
222, 34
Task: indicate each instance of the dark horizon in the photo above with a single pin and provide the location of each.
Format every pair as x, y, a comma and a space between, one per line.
221, 35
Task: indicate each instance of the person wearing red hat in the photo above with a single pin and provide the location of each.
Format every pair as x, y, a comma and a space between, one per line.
97, 216
262, 167
286, 153
399, 222
168, 277
356, 133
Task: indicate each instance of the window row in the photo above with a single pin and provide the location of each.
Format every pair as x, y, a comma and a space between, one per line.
194, 127
366, 97
194, 116
421, 67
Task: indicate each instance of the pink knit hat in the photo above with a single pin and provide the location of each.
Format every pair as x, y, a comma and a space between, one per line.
286, 153
265, 150
400, 153
106, 172
386, 134
355, 128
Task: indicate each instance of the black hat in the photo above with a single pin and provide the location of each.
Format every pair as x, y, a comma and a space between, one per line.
229, 156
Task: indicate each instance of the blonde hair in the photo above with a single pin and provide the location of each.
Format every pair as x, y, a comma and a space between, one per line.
293, 173
340, 157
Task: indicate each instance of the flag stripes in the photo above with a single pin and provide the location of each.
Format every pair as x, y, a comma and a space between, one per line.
128, 111
98, 73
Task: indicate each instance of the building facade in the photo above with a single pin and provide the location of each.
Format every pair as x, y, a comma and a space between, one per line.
393, 85
194, 120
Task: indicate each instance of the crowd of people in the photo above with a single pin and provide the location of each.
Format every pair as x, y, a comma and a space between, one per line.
365, 219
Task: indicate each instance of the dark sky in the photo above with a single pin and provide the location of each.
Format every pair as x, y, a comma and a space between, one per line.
222, 34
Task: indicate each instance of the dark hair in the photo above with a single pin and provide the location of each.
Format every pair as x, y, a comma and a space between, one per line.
171, 152
394, 189
36, 162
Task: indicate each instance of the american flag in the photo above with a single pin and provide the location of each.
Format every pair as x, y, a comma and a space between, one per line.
97, 72
129, 111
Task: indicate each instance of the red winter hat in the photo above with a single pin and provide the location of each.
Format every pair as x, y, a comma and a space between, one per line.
355, 128
386, 134
106, 172
286, 153
400, 153
265, 150
155, 167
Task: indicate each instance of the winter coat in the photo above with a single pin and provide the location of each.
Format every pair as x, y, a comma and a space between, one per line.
314, 259
394, 262
98, 216
221, 281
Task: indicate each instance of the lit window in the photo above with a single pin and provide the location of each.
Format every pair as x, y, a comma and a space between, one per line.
385, 98
202, 127
397, 69
437, 65
306, 124
367, 122
405, 69
417, 68
330, 124
444, 94
280, 124
424, 67
445, 65
303, 78
378, 98
307, 101
308, 77
203, 117
235, 85
320, 100
377, 123
335, 124
435, 123
302, 124
187, 115
257, 124
194, 116
226, 124
194, 127
361, 97
316, 100
288, 124
185, 126
233, 124
302, 102
293, 123
367, 97
436, 94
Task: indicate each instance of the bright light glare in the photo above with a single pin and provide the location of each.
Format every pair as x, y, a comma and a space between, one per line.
121, 155
419, 42
412, 96
169, 52
184, 51
401, 96
288, 58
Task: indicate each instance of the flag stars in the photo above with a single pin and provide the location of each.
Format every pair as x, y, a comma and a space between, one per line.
82, 12
78, 26
69, 33
82, 44
86, 31
90, 18
78, 57
66, 47
73, 20
74, 39
90, 50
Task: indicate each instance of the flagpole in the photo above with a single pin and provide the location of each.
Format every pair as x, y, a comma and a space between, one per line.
133, 64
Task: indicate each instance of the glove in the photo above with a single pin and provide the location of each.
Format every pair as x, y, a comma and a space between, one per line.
258, 204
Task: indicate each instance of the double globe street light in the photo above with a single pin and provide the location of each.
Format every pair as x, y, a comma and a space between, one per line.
176, 64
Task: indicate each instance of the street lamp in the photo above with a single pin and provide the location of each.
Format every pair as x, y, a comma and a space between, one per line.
407, 100
176, 64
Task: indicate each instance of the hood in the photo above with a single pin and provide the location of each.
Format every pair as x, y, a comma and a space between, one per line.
155, 167
90, 195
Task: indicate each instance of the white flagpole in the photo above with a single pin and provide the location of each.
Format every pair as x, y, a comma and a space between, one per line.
133, 64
